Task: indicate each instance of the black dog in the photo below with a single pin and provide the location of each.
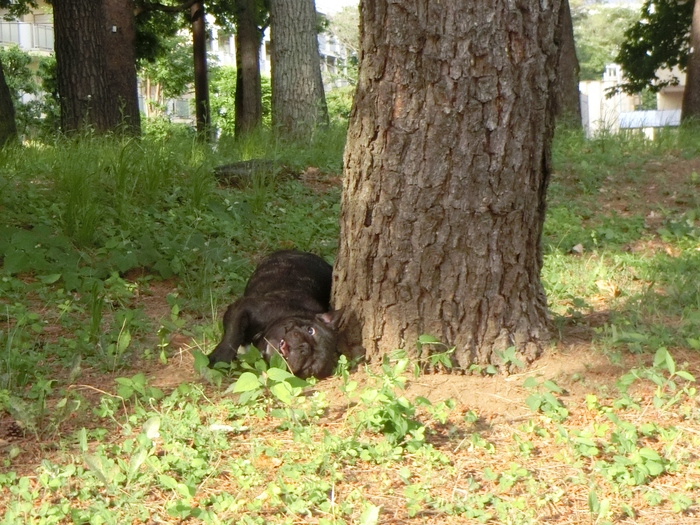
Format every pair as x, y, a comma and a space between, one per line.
285, 308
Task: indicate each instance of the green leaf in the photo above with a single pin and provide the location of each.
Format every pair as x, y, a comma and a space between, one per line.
277, 361
534, 401
552, 387
426, 339
168, 482
95, 464
201, 361
370, 516
252, 355
171, 483
82, 440
246, 383
123, 341
661, 359
283, 392
15, 261
50, 279
593, 503
277, 374
151, 427
422, 401
135, 462
655, 469
649, 453
530, 382
163, 267
297, 382
686, 375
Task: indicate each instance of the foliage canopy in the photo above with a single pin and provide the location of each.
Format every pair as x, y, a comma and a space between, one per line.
658, 41
598, 35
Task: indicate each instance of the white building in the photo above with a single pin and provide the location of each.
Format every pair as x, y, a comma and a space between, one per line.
33, 32
602, 114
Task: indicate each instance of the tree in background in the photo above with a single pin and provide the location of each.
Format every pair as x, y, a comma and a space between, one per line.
120, 60
691, 95
567, 100
167, 75
658, 40
8, 126
446, 169
298, 99
35, 108
201, 74
21, 83
224, 100
345, 27
661, 40
252, 17
599, 31
194, 10
86, 97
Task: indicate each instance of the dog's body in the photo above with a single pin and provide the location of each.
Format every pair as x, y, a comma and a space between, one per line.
285, 308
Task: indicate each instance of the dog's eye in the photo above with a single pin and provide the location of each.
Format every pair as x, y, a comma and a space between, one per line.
311, 330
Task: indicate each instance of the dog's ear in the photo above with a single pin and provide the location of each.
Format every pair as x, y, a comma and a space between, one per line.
331, 318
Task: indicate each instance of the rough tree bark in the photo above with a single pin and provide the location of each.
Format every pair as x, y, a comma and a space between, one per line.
248, 83
120, 60
8, 124
691, 96
81, 71
567, 101
298, 100
201, 82
445, 173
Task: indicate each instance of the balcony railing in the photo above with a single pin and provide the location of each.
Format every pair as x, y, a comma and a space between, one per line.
27, 36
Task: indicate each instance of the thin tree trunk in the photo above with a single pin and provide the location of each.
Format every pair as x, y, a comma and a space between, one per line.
201, 82
298, 100
567, 98
8, 124
446, 169
120, 42
691, 96
248, 83
81, 70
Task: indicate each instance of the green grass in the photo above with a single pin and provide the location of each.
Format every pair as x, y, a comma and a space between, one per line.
112, 250
640, 244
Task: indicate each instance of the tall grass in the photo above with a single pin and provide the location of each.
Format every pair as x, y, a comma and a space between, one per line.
78, 211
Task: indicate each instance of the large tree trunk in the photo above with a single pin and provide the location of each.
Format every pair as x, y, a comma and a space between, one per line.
120, 49
567, 99
248, 84
691, 95
201, 82
81, 70
446, 169
298, 100
8, 124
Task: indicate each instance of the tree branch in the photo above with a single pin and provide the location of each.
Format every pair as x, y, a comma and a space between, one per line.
157, 6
